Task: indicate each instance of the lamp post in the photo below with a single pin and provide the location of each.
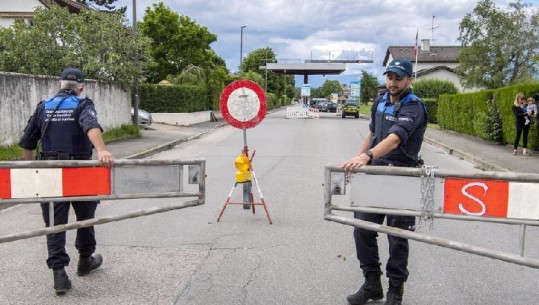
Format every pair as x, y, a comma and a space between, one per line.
241, 48
135, 83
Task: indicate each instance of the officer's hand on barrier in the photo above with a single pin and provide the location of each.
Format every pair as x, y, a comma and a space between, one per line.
354, 163
105, 157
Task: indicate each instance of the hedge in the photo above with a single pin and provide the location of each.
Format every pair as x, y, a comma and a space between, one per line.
173, 99
459, 112
432, 109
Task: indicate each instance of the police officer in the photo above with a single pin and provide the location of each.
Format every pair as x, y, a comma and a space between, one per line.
398, 123
66, 128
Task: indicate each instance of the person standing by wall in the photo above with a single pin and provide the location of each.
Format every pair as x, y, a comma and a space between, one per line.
522, 124
66, 128
396, 131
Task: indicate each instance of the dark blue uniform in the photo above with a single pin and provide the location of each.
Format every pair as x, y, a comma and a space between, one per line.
69, 117
409, 123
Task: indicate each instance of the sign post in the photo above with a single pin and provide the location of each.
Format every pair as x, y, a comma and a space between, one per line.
243, 105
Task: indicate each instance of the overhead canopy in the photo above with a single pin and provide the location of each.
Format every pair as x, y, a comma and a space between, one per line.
305, 68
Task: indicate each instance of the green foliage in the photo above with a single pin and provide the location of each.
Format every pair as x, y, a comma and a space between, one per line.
125, 131
432, 109
329, 87
488, 125
504, 99
277, 84
12, 152
469, 113
98, 43
178, 42
499, 46
175, 99
433, 88
368, 87
272, 101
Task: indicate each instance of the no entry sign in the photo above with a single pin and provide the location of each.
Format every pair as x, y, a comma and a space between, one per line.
243, 104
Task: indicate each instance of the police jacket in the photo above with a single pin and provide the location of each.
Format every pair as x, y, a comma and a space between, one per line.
61, 123
406, 118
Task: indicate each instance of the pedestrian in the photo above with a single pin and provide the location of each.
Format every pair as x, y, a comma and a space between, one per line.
522, 124
65, 126
396, 130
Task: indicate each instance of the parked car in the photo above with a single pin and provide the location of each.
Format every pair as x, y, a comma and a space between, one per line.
144, 117
350, 108
322, 106
332, 107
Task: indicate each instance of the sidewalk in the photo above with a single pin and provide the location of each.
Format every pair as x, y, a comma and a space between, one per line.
485, 155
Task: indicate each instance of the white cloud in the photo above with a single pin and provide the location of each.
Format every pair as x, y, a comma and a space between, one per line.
299, 29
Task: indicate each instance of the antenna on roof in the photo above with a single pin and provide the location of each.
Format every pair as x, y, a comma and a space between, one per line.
433, 28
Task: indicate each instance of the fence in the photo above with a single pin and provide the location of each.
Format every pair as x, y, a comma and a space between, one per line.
57, 181
498, 197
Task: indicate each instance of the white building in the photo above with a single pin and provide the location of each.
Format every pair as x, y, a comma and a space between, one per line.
23, 10
433, 62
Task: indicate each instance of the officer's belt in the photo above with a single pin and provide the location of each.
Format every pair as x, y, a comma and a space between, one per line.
57, 155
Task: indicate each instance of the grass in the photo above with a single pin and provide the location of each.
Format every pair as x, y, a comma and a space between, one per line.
365, 109
127, 131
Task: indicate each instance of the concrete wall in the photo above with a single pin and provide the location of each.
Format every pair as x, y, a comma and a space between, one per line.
184, 119
20, 93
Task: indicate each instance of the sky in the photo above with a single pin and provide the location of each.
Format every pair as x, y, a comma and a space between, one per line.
303, 29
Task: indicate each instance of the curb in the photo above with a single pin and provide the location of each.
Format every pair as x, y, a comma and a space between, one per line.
167, 146
478, 162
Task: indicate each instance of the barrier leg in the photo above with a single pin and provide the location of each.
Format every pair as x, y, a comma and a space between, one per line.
262, 198
226, 202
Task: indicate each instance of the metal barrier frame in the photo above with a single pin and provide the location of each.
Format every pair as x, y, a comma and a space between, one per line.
102, 220
425, 238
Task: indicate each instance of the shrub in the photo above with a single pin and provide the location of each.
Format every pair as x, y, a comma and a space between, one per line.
488, 125
433, 88
173, 99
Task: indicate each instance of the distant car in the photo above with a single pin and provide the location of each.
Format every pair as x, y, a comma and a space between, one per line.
144, 117
322, 106
350, 108
332, 107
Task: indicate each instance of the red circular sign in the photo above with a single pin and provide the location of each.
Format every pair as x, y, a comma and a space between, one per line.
243, 104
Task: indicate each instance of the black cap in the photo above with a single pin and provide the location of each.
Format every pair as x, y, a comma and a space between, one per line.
400, 66
73, 74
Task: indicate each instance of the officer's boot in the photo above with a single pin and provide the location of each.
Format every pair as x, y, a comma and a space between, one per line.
61, 281
370, 290
395, 292
87, 264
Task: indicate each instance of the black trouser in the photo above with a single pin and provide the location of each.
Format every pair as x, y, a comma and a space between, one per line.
367, 245
522, 129
85, 241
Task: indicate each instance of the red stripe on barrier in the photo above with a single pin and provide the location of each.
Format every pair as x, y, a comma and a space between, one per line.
85, 181
476, 197
5, 183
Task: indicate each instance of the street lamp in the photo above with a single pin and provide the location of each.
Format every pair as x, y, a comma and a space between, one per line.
241, 48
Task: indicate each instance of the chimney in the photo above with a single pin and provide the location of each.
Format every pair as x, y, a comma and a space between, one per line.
425, 45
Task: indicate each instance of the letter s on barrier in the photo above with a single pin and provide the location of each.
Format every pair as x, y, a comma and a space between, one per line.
466, 194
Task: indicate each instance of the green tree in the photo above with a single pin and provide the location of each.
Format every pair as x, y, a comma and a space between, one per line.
276, 84
178, 42
98, 43
329, 87
368, 87
498, 46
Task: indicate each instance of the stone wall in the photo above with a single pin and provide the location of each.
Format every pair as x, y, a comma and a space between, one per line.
20, 93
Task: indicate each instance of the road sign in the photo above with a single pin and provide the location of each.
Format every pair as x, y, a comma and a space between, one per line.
243, 104
354, 90
306, 90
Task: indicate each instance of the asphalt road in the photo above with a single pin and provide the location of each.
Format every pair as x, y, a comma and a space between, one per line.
186, 257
